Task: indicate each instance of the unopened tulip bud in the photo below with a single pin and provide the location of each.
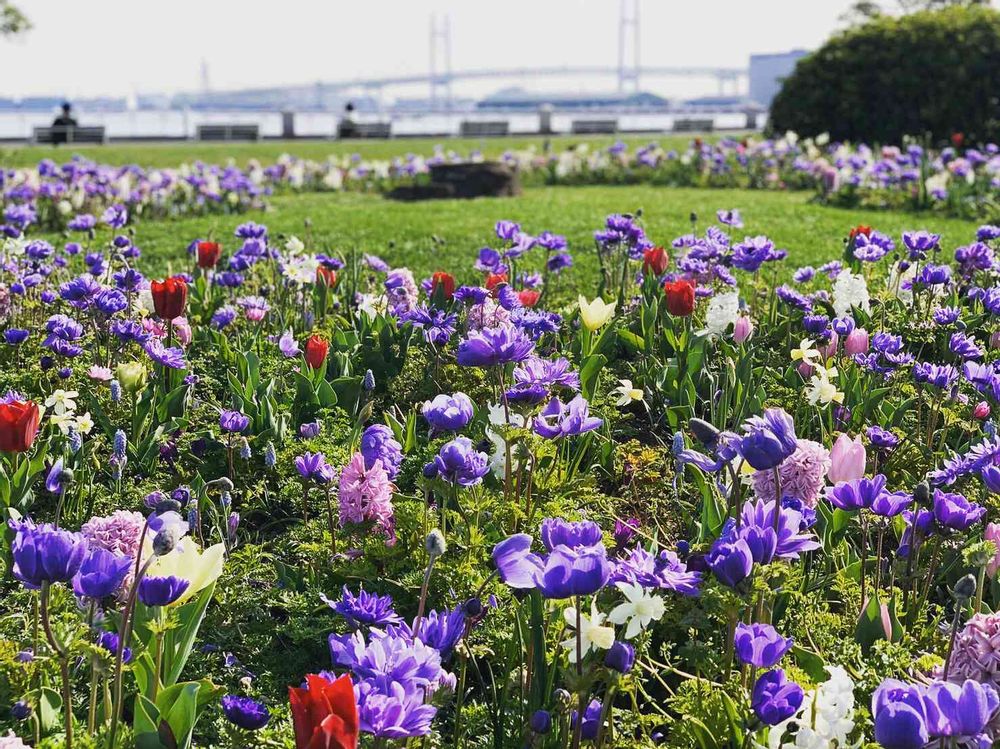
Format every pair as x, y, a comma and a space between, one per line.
995, 340
857, 342
847, 459
805, 369
981, 411
922, 493
830, 349
742, 329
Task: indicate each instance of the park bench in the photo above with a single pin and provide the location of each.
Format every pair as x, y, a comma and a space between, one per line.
690, 125
69, 134
349, 129
228, 132
478, 129
594, 127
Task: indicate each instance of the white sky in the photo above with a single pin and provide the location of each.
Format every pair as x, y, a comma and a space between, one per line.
117, 47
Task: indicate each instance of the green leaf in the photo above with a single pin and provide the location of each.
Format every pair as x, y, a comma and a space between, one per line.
49, 709
180, 641
589, 373
811, 663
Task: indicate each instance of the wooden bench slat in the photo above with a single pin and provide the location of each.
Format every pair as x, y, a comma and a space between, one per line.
586, 127
492, 129
228, 132
69, 134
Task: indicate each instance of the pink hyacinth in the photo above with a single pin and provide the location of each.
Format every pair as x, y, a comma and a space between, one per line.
118, 533
977, 651
802, 474
366, 495
489, 314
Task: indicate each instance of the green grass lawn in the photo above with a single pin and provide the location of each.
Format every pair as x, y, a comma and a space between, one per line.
169, 154
445, 234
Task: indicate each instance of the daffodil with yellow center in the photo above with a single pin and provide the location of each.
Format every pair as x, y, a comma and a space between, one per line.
626, 393
593, 635
821, 389
595, 314
806, 352
188, 561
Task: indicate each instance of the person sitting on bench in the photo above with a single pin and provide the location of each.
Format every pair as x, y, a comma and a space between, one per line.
62, 123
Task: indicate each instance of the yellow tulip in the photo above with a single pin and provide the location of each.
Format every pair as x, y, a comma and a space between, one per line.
189, 562
596, 313
131, 376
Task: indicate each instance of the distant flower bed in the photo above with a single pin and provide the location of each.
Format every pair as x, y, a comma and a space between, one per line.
961, 181
287, 497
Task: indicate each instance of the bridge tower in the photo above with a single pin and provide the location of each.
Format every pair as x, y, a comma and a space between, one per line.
628, 46
440, 62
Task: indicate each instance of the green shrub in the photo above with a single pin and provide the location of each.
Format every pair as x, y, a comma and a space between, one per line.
930, 72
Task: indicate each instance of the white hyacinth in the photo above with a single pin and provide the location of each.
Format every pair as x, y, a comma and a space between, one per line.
825, 719
723, 309
850, 290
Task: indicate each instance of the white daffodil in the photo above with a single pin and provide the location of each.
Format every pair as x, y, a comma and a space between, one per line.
62, 401
806, 352
639, 610
65, 421
821, 388
84, 423
188, 562
626, 393
593, 635
373, 306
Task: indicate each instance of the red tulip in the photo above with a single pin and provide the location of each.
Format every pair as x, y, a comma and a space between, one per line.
316, 351
169, 297
859, 229
18, 425
324, 714
495, 279
529, 297
957, 139
654, 260
209, 254
680, 297
326, 276
444, 281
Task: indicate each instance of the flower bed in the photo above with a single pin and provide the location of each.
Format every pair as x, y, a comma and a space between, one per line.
286, 496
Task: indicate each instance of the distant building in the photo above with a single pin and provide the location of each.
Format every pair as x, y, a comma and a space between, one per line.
768, 71
517, 99
720, 104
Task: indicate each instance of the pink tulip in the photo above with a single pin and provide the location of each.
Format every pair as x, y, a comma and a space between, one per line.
992, 533
182, 329
857, 342
981, 411
742, 329
847, 459
830, 349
